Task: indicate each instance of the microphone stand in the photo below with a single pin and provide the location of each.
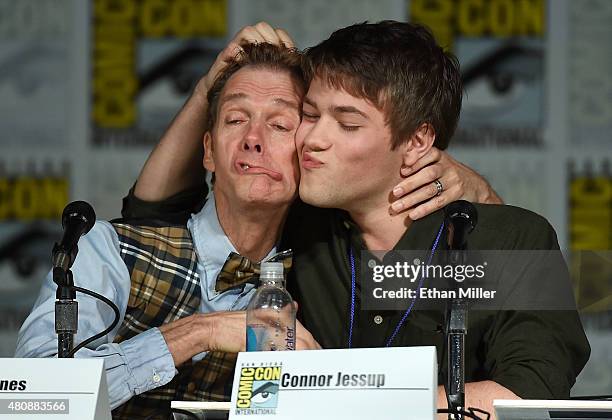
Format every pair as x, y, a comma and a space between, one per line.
461, 218
66, 306
456, 330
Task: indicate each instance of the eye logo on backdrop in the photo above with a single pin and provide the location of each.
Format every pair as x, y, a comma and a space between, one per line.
147, 57
500, 46
32, 198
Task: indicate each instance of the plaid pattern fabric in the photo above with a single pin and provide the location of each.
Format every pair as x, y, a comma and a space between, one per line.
238, 270
165, 287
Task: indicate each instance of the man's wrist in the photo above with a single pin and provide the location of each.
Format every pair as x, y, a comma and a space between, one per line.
204, 326
492, 197
487, 195
200, 92
186, 337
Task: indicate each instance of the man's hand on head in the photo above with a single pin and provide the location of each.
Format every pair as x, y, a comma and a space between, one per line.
417, 194
259, 33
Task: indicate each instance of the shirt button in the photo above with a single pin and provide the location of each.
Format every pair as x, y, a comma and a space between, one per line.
156, 378
371, 263
378, 319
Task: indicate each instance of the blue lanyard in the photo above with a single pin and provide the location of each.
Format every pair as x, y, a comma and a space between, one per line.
401, 322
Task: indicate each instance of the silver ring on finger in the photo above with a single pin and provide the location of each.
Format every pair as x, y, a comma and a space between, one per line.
439, 187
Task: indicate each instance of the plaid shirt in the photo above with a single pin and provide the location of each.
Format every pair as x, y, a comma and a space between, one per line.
165, 287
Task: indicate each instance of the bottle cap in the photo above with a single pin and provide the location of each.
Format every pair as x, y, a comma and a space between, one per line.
274, 269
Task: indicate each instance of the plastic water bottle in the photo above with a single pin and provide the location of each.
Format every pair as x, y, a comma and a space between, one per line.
271, 313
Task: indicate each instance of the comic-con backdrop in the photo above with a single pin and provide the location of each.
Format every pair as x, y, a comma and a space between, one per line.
87, 88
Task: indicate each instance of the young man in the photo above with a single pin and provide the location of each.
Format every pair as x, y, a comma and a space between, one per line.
174, 285
381, 96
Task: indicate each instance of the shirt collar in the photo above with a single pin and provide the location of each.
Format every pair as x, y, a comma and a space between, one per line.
421, 231
211, 244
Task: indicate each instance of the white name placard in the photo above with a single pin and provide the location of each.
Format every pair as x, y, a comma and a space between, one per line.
68, 388
379, 383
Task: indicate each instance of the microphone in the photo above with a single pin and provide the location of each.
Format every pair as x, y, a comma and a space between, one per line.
77, 219
461, 219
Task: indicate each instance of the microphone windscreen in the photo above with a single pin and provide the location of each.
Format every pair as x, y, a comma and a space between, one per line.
462, 209
81, 210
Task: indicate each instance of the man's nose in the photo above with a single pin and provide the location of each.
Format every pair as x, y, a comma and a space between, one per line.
254, 138
317, 137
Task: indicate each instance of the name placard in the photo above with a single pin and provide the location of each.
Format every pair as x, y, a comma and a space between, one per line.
380, 383
37, 388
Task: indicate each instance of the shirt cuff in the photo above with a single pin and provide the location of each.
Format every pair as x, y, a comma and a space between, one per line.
149, 361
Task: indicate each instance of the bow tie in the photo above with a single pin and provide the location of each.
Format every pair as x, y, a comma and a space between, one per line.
238, 270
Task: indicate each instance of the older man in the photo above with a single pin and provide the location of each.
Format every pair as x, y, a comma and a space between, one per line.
180, 306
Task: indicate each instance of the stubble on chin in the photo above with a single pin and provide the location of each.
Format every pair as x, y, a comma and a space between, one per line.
318, 195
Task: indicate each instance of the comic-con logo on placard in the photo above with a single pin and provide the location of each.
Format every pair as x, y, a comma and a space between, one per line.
258, 389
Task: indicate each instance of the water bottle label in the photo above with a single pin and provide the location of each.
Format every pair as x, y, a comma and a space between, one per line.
262, 338
252, 337
290, 340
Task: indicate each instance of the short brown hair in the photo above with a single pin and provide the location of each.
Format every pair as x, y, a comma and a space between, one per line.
400, 69
260, 55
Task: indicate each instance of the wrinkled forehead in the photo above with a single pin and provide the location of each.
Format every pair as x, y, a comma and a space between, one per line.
262, 84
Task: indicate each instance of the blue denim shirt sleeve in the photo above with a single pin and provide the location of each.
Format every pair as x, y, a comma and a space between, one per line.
133, 366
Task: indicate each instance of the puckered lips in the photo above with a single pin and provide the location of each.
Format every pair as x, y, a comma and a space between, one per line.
309, 162
248, 168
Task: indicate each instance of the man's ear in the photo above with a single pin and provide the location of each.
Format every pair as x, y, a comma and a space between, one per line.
209, 161
420, 143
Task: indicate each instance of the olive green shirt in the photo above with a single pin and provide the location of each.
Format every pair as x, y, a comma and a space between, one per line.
535, 354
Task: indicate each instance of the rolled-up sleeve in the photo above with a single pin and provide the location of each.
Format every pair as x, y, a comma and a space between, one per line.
174, 209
